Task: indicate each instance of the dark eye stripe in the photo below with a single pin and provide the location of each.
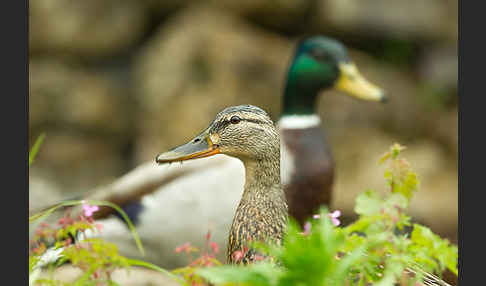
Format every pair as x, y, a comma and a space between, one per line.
253, 120
224, 123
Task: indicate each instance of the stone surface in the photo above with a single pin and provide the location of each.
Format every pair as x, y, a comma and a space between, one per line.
78, 162
432, 19
277, 14
42, 193
439, 66
86, 121
84, 28
62, 94
137, 276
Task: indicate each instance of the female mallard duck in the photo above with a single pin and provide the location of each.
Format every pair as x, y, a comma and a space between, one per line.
319, 64
245, 132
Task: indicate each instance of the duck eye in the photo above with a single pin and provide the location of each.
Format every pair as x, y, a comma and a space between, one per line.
235, 119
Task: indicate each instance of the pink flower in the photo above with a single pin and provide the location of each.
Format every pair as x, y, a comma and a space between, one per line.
99, 226
307, 228
316, 216
186, 247
238, 255
334, 217
89, 210
214, 246
258, 257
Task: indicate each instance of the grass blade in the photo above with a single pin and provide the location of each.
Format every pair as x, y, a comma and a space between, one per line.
35, 148
136, 262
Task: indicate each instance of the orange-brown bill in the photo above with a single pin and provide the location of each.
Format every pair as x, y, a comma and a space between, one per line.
199, 147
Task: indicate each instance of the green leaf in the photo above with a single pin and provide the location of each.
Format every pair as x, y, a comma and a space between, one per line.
344, 266
259, 274
84, 278
112, 283
391, 273
395, 200
368, 203
396, 149
32, 262
408, 186
35, 148
429, 247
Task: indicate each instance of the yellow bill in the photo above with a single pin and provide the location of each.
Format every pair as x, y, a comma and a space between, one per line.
353, 83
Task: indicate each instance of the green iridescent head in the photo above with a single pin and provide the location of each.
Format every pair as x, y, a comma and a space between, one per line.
323, 63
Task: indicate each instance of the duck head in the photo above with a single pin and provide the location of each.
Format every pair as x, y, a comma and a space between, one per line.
322, 63
245, 132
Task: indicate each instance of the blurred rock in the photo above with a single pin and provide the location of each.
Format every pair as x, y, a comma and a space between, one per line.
277, 14
73, 96
78, 162
433, 19
42, 193
439, 66
446, 133
86, 119
136, 276
161, 8
85, 28
199, 62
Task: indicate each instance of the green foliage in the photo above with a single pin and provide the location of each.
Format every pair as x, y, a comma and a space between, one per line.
259, 274
96, 257
426, 244
35, 148
372, 250
206, 259
45, 213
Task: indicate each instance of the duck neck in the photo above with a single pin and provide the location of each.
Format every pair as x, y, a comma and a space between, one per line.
300, 98
263, 180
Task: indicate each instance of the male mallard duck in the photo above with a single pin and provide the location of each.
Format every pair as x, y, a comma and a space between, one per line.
198, 186
245, 132
319, 63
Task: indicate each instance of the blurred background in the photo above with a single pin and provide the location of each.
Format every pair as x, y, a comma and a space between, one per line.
115, 82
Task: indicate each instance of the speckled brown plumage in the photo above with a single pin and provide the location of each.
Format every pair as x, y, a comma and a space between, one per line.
261, 214
311, 183
262, 211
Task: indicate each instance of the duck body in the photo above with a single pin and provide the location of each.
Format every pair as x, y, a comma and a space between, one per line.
307, 168
183, 210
